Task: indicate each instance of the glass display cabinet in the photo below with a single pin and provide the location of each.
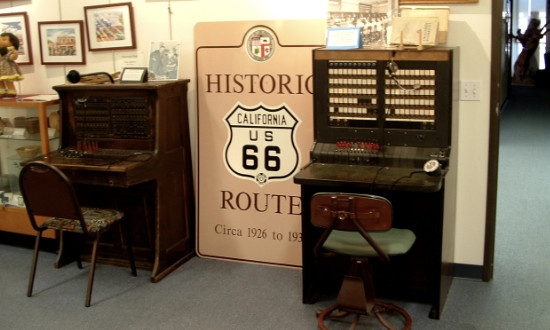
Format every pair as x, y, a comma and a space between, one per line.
29, 126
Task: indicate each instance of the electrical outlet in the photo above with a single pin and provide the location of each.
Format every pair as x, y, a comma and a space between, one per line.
470, 90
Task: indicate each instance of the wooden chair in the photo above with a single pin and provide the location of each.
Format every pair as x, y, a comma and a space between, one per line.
48, 192
358, 226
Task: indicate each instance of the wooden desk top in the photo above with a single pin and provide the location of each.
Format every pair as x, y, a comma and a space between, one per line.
27, 101
377, 177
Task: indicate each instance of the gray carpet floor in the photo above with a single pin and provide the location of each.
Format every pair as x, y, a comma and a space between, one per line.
216, 294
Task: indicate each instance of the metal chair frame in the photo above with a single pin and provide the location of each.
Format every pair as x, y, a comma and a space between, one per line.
48, 192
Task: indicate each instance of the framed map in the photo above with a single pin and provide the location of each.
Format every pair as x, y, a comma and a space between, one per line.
110, 26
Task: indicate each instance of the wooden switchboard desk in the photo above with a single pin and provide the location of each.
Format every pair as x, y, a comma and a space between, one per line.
425, 273
128, 146
382, 116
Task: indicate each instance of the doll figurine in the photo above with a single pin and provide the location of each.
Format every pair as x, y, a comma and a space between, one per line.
9, 70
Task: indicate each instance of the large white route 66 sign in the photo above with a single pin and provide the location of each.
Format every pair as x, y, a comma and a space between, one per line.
261, 145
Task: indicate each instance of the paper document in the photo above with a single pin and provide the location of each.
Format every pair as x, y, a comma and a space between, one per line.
409, 27
441, 13
40, 97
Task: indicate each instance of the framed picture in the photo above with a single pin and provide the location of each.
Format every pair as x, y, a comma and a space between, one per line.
61, 42
133, 75
18, 24
164, 60
110, 26
434, 2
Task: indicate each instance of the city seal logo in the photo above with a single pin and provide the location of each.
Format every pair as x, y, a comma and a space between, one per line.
261, 144
260, 45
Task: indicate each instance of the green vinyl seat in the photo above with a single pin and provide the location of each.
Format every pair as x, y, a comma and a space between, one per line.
393, 242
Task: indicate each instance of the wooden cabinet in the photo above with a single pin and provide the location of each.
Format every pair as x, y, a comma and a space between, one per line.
127, 146
31, 115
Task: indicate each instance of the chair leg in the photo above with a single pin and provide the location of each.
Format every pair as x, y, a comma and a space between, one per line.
365, 269
357, 290
70, 248
34, 261
92, 271
129, 250
79, 246
352, 295
382, 307
79, 262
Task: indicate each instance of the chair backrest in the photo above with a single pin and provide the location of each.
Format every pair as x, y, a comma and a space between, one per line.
337, 211
350, 212
48, 192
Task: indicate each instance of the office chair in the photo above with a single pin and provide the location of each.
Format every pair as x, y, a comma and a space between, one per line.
360, 227
48, 192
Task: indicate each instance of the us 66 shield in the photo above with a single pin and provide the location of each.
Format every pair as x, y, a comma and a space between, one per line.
261, 143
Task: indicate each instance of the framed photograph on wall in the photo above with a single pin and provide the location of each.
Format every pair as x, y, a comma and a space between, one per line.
61, 42
18, 24
110, 26
434, 2
164, 60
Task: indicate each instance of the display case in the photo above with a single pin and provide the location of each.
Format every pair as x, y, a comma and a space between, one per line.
29, 127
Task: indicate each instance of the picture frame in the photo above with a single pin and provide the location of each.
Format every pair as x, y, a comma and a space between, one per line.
62, 42
434, 2
110, 27
344, 38
164, 59
18, 24
133, 75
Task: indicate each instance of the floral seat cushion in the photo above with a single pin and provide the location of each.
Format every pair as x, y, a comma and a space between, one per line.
97, 220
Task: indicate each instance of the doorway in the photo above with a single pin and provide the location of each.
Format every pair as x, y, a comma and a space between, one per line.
501, 72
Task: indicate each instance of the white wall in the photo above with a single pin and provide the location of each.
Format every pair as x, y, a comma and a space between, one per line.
470, 26
470, 29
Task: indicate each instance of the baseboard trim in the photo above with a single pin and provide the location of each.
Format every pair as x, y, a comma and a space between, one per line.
468, 271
